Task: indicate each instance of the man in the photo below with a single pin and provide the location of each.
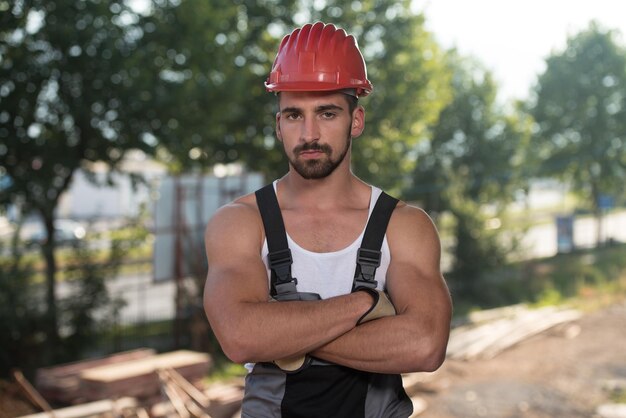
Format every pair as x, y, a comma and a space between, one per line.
320, 340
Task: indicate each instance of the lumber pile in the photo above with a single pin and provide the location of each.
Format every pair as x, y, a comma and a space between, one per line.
128, 374
225, 400
485, 340
62, 383
139, 378
184, 400
139, 384
123, 407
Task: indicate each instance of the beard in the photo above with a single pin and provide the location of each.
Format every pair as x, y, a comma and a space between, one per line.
319, 168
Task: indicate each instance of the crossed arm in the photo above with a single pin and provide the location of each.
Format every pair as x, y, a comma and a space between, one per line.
250, 329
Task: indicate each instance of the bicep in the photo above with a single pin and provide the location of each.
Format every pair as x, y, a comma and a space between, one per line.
414, 279
236, 273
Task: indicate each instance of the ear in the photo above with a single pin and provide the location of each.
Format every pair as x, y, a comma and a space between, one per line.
358, 122
278, 134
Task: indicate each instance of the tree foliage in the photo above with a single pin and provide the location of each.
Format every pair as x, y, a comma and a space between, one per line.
69, 95
580, 111
212, 59
474, 146
471, 163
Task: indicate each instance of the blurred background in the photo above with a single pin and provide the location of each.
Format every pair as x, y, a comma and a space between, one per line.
125, 124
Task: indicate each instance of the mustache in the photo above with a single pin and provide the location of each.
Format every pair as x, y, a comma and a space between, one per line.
313, 146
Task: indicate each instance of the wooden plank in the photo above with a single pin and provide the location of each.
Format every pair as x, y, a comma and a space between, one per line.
186, 399
61, 383
175, 399
175, 360
193, 392
139, 378
527, 330
491, 338
30, 391
107, 406
225, 400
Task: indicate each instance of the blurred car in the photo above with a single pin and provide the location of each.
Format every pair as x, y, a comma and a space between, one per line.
66, 231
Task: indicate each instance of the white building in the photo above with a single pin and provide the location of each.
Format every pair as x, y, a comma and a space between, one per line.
88, 200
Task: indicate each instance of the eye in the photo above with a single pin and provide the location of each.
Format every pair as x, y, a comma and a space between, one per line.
328, 115
293, 116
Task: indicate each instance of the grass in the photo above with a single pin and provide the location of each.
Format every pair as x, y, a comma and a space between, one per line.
618, 396
224, 371
137, 257
587, 279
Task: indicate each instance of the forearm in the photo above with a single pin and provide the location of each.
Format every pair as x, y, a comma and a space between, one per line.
265, 331
387, 345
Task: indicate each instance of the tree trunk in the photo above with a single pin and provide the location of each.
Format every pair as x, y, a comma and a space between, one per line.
51, 268
597, 211
600, 230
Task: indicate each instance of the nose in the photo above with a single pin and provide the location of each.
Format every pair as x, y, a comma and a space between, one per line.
310, 130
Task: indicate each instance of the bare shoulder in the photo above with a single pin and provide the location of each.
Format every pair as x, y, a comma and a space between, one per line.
410, 219
241, 212
235, 225
411, 231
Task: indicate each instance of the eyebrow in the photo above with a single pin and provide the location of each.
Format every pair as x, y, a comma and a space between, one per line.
318, 109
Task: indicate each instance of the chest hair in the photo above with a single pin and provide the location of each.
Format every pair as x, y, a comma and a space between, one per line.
325, 231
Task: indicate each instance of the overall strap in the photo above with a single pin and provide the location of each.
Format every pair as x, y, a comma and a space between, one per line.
279, 257
368, 256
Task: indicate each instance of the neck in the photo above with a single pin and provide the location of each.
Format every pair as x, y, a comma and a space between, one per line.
336, 190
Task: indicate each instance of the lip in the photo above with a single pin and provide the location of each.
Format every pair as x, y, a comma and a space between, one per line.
312, 154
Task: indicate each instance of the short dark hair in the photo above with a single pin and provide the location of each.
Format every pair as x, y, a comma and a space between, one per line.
353, 101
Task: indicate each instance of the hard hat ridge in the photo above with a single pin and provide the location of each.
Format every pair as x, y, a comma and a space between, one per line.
319, 57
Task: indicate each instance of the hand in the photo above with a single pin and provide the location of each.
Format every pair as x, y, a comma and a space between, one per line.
380, 308
293, 364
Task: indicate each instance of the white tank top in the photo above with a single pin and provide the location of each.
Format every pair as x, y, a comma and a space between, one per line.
332, 273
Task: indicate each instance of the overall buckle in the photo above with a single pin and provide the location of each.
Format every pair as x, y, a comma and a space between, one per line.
368, 261
280, 263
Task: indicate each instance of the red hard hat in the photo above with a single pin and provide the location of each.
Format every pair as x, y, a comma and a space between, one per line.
319, 57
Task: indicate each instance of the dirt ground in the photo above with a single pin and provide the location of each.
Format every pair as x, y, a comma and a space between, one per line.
563, 372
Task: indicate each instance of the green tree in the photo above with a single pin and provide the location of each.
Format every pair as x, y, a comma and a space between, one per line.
580, 111
470, 167
212, 59
475, 146
70, 94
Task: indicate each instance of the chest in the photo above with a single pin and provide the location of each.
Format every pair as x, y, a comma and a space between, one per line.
323, 232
